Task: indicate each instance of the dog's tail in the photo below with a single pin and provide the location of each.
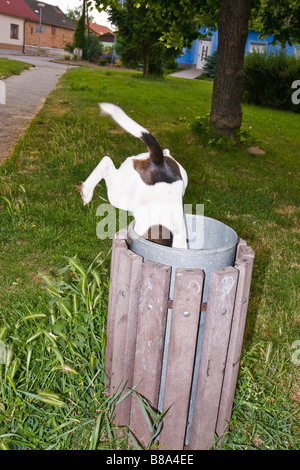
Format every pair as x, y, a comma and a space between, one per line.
118, 115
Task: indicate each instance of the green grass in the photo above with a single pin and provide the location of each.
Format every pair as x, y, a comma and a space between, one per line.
52, 392
12, 67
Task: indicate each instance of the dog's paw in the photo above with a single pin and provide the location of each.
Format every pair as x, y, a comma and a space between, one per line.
86, 193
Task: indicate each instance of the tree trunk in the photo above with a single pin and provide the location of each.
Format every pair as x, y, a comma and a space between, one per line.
87, 22
146, 65
226, 110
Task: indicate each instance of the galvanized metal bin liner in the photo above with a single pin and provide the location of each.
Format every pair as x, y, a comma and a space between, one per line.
211, 245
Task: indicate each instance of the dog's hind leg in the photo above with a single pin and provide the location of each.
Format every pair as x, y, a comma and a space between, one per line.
104, 171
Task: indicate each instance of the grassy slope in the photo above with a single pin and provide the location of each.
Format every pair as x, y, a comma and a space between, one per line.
43, 220
12, 67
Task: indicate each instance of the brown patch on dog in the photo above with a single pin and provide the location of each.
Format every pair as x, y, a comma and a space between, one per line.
160, 235
168, 172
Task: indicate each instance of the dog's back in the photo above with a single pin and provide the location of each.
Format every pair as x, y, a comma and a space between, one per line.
158, 167
149, 185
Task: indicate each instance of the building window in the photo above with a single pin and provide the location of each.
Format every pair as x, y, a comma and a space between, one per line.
31, 30
53, 29
257, 47
14, 31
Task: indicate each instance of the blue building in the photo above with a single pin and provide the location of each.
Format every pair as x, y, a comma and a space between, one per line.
196, 55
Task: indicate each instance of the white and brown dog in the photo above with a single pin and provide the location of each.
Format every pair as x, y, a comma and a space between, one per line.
150, 185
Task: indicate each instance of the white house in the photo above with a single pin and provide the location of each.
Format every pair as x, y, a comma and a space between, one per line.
13, 14
201, 49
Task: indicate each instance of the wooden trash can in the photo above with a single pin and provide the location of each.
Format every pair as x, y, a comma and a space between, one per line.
181, 353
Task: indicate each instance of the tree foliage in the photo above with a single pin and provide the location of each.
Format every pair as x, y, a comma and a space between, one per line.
182, 20
94, 49
280, 18
74, 14
79, 38
89, 43
139, 33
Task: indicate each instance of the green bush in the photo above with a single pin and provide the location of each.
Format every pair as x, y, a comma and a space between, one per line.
94, 49
69, 47
210, 65
79, 37
201, 127
268, 80
103, 62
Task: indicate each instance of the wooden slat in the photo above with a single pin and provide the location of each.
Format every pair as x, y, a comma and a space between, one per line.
118, 245
129, 267
183, 338
244, 264
122, 234
152, 314
220, 304
242, 243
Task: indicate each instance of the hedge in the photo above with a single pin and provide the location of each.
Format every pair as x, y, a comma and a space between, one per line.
268, 79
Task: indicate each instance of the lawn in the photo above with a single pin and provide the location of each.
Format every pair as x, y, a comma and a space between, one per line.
12, 67
54, 270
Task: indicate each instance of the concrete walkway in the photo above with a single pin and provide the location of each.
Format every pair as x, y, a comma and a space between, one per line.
187, 73
25, 95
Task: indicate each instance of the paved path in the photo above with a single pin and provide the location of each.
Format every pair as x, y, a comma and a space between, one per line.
25, 95
187, 73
